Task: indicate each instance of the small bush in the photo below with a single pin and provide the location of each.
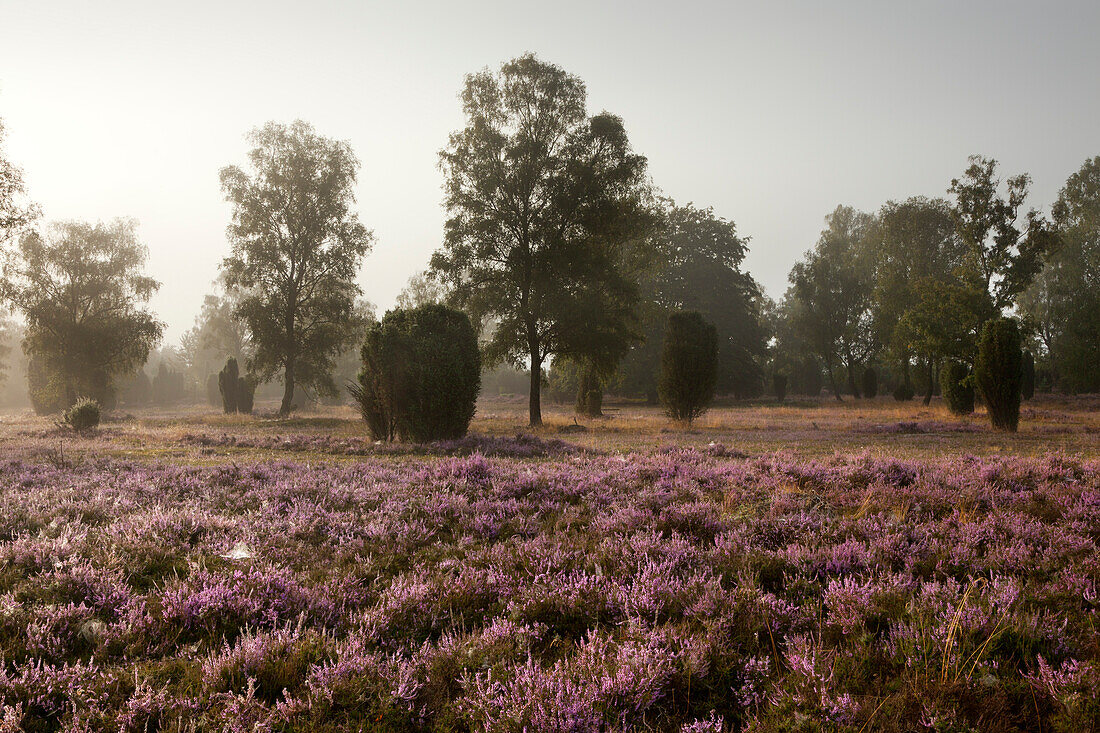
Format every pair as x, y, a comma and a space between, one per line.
870, 383
998, 370
689, 366
84, 415
957, 387
779, 386
421, 375
246, 393
904, 392
1027, 376
228, 383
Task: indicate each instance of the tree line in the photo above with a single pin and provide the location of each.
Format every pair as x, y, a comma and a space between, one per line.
570, 264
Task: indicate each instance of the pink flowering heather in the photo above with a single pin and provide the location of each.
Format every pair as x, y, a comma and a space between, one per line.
511, 585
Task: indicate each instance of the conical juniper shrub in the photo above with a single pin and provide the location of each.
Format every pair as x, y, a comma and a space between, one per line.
689, 366
421, 375
904, 392
998, 370
1027, 376
228, 384
870, 383
957, 387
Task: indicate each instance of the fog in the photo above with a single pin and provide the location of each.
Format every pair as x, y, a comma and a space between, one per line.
772, 115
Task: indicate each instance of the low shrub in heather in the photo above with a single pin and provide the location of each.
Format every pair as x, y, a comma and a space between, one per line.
678, 590
83, 415
904, 392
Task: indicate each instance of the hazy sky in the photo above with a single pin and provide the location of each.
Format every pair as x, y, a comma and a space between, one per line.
771, 112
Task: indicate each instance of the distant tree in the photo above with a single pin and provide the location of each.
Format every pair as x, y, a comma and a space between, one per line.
1003, 255
689, 365
80, 289
217, 335
297, 248
421, 374
997, 372
695, 263
833, 285
917, 256
349, 360
16, 213
1062, 307
422, 289
541, 197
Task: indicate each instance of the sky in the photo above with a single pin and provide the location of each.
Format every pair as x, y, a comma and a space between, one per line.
773, 113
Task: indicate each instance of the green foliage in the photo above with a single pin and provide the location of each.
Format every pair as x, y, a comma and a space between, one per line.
689, 365
83, 415
589, 392
957, 387
168, 386
228, 384
80, 289
421, 375
1002, 256
870, 383
539, 245
997, 372
1063, 304
696, 264
1027, 376
830, 295
779, 386
904, 392
297, 248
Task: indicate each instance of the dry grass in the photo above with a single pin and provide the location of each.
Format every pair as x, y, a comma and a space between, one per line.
880, 427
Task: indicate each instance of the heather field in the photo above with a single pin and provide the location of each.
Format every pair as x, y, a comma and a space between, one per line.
809, 567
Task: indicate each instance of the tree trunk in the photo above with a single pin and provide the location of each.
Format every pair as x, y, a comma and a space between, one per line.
931, 382
535, 404
852, 386
288, 392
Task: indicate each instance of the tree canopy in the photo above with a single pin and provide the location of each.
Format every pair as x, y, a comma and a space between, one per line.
297, 249
541, 200
81, 288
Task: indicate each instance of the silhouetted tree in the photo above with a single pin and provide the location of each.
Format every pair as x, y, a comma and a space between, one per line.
80, 289
228, 383
297, 248
16, 213
1027, 376
540, 198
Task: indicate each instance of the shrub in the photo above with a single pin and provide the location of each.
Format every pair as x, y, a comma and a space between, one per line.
904, 392
589, 393
1027, 376
246, 393
83, 415
998, 370
689, 366
870, 383
779, 385
957, 387
421, 375
228, 383
213, 390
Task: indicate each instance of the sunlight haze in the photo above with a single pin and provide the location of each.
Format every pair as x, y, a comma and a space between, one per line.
772, 113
